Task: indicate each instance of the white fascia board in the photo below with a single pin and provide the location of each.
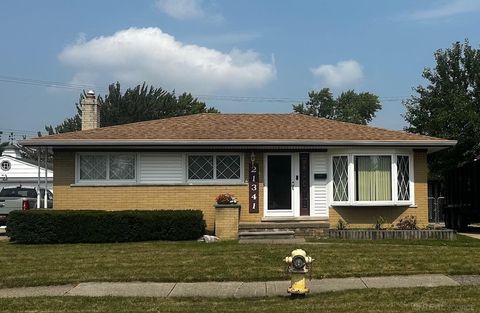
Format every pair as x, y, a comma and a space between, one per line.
158, 143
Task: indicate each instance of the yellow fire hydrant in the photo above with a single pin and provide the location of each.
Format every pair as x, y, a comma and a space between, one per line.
299, 265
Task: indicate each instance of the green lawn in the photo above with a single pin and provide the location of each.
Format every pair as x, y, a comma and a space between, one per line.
442, 299
31, 265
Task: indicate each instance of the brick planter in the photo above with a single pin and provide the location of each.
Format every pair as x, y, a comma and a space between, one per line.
226, 221
372, 234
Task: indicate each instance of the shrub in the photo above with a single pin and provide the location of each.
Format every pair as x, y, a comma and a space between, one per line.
88, 226
407, 223
379, 223
342, 224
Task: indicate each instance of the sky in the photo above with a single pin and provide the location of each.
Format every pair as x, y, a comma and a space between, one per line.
238, 56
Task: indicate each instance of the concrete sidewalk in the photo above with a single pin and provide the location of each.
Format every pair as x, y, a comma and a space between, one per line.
236, 289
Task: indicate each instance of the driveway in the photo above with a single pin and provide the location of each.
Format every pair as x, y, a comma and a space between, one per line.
473, 231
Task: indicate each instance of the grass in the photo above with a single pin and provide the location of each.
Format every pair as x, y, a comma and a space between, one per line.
32, 265
441, 299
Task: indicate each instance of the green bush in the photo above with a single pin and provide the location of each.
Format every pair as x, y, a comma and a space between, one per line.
407, 223
88, 226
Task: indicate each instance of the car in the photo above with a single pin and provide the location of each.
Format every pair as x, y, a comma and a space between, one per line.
22, 198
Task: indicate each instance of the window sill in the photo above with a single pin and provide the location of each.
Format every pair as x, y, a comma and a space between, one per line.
154, 184
215, 183
374, 204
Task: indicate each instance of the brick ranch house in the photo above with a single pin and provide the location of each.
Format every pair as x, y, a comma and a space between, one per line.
305, 169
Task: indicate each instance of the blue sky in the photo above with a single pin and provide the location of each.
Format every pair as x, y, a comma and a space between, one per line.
272, 52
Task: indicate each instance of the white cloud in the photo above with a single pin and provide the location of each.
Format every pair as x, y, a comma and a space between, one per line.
186, 9
342, 74
135, 55
446, 9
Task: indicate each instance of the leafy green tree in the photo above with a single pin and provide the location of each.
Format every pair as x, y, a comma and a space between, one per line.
349, 106
449, 106
141, 103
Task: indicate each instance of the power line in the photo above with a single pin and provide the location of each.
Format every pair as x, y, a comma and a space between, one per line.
229, 98
13, 79
275, 99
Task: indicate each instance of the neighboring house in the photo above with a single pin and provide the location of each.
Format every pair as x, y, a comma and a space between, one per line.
16, 170
309, 169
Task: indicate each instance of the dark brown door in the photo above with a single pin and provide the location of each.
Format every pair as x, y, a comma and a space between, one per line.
304, 184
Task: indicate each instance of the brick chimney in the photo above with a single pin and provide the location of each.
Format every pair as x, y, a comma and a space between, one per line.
90, 111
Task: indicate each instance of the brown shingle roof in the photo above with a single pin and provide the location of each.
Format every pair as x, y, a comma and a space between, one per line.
263, 128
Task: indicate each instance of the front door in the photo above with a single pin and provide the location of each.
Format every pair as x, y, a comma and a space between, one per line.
281, 185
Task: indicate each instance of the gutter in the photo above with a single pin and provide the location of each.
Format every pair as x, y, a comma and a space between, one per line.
237, 143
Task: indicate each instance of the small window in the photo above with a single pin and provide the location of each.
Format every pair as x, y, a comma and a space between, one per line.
107, 167
214, 167
93, 167
373, 178
340, 178
122, 166
228, 167
200, 167
403, 177
5, 165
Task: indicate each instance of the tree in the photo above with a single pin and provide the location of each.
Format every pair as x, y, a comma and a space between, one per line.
349, 106
141, 103
449, 106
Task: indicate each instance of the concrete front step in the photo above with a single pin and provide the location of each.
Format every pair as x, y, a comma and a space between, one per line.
277, 234
283, 225
300, 229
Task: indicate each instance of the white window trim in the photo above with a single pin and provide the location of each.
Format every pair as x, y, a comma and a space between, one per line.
411, 185
215, 181
295, 170
106, 181
349, 183
352, 186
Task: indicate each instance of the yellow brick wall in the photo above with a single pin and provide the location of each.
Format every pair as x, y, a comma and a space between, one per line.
146, 197
226, 223
360, 217
150, 197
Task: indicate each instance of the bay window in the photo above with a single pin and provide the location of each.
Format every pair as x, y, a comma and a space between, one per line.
403, 177
383, 179
373, 178
340, 178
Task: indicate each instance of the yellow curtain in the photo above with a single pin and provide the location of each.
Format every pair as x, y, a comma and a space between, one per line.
373, 176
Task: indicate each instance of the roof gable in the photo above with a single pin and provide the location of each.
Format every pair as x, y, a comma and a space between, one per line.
23, 168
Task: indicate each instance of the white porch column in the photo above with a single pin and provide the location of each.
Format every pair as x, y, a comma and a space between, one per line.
45, 195
39, 196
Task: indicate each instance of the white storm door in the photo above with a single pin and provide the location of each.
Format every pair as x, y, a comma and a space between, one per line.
281, 192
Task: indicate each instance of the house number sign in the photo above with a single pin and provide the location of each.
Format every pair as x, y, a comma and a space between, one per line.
253, 188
